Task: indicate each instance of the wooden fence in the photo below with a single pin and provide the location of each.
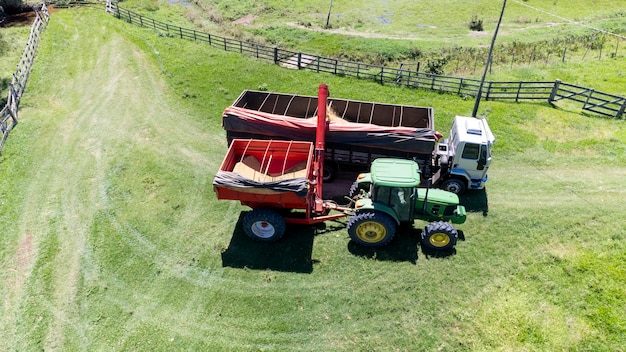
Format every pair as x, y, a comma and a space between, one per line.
593, 101
8, 115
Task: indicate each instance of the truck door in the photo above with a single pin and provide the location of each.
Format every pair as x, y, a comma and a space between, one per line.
474, 159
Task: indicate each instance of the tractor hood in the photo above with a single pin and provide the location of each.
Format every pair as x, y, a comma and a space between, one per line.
438, 196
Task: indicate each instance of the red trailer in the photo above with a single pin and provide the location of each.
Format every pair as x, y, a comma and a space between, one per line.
274, 177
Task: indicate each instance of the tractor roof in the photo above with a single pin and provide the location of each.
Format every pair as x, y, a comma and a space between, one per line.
395, 172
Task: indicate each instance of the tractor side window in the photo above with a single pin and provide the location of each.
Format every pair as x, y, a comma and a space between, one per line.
402, 203
471, 151
382, 195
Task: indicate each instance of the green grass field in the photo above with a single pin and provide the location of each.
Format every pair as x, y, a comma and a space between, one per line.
113, 239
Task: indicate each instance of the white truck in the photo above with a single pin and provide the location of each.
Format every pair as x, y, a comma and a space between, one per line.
360, 132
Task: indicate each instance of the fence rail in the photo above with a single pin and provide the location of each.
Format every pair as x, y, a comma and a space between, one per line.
8, 114
592, 100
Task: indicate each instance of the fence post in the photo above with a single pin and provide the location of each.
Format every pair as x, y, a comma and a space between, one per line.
554, 91
519, 88
621, 110
588, 97
299, 61
275, 55
488, 90
382, 72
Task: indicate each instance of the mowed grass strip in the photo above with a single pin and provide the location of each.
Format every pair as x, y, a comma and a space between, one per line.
113, 237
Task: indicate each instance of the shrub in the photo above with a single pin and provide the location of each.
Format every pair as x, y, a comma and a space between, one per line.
476, 24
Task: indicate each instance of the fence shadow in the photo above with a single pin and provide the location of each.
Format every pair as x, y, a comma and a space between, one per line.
292, 253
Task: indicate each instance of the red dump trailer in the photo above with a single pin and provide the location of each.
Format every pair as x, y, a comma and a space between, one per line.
276, 178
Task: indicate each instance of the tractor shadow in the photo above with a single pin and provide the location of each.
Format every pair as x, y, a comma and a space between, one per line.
475, 201
404, 247
292, 253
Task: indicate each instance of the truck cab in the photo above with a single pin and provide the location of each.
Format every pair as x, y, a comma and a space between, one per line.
466, 155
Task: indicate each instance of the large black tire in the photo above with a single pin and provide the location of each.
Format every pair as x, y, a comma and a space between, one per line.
439, 235
355, 190
454, 185
264, 225
371, 228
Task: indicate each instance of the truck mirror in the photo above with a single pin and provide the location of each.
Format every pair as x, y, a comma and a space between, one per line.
482, 158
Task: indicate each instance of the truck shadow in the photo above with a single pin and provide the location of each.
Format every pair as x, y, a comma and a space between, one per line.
292, 253
475, 201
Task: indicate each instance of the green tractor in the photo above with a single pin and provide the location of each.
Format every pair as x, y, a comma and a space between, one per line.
389, 195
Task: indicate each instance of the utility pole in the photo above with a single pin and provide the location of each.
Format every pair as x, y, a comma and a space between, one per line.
482, 81
329, 10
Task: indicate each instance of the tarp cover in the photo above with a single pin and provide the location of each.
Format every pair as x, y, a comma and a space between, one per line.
415, 140
234, 180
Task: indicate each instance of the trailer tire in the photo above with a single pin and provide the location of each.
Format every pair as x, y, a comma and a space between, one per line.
454, 185
371, 228
264, 225
439, 235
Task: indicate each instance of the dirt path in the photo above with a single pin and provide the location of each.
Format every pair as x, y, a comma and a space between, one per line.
92, 112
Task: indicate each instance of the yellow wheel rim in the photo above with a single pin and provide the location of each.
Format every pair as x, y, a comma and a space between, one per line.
371, 232
439, 239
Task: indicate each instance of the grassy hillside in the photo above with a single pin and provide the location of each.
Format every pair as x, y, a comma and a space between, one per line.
538, 33
113, 238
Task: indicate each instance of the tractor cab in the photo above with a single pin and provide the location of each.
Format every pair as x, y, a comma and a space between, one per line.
394, 184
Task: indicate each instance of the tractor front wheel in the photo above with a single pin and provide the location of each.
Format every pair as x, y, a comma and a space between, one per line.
371, 228
439, 235
264, 225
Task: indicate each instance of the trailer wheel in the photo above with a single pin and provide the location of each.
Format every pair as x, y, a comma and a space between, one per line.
454, 185
264, 225
371, 228
439, 235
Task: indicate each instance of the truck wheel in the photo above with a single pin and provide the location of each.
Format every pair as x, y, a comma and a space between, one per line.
264, 225
330, 172
453, 185
371, 228
439, 235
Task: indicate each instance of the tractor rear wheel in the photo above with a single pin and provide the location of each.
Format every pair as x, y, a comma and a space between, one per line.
264, 225
439, 235
371, 228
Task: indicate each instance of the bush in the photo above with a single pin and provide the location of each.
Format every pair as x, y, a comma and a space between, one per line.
476, 24
435, 66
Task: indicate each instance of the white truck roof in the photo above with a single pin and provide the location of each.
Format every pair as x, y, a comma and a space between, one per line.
472, 130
